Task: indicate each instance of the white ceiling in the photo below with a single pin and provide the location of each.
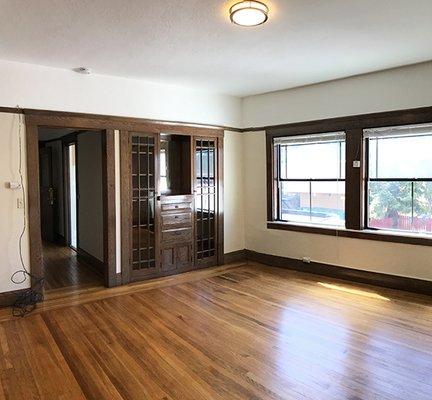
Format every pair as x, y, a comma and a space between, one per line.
192, 43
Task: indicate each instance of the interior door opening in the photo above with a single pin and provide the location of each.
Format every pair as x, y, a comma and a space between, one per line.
72, 207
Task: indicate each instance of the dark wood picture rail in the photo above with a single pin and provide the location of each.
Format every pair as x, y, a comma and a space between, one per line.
399, 117
354, 188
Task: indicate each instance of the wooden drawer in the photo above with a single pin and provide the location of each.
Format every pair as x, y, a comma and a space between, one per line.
172, 221
176, 206
177, 235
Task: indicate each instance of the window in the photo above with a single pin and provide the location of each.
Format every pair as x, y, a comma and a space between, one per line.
399, 178
369, 177
310, 179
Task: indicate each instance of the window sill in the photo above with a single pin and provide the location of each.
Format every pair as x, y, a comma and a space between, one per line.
421, 240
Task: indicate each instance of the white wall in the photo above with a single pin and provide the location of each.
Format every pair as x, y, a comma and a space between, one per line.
34, 86
90, 189
395, 89
390, 258
400, 88
234, 238
244, 161
11, 218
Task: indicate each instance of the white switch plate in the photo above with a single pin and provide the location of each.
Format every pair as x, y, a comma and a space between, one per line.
20, 203
356, 164
14, 185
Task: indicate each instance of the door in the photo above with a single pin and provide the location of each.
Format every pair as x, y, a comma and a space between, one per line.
142, 214
46, 194
206, 195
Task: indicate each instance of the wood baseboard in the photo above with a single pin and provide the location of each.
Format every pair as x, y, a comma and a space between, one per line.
235, 256
115, 280
8, 298
60, 239
349, 274
96, 264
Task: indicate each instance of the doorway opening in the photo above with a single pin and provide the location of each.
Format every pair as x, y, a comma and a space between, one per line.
71, 180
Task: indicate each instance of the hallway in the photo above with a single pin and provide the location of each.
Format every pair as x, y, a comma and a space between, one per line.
63, 269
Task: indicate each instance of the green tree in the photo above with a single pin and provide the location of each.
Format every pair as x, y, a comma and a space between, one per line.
395, 199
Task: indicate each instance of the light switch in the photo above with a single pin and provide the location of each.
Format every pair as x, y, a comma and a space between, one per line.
356, 164
14, 185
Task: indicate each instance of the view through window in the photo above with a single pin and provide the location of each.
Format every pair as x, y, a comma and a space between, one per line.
399, 178
311, 178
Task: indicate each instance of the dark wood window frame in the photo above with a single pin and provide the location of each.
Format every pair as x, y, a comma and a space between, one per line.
355, 196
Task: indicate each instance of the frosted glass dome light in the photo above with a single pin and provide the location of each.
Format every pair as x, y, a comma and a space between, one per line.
249, 13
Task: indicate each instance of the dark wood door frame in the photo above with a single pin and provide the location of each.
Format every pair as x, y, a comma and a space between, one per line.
33, 123
54, 119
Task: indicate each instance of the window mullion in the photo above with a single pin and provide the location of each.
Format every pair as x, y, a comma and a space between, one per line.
354, 179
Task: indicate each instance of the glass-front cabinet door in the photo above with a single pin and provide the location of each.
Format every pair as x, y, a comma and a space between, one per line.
143, 255
205, 191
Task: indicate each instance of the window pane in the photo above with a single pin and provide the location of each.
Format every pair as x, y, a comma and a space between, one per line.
422, 221
328, 203
313, 161
390, 205
400, 157
295, 204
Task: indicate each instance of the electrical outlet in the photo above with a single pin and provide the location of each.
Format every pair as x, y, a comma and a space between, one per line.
20, 203
306, 260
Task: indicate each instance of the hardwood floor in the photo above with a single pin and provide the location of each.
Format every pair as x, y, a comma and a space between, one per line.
242, 332
62, 269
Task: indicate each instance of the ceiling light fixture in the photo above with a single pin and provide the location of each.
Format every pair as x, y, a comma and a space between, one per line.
249, 13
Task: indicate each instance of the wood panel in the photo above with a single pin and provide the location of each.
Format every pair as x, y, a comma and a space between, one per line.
251, 332
33, 198
109, 206
94, 121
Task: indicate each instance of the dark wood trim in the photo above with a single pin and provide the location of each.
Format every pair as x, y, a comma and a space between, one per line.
96, 264
360, 121
235, 256
32, 125
349, 274
355, 177
126, 209
91, 121
270, 162
354, 180
7, 299
114, 118
363, 234
220, 200
12, 110
77, 192
109, 206
421, 114
33, 201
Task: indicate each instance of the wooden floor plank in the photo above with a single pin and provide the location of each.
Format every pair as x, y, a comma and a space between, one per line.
33, 366
63, 269
241, 332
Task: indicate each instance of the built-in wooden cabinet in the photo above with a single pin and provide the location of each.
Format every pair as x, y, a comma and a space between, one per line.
177, 233
171, 202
